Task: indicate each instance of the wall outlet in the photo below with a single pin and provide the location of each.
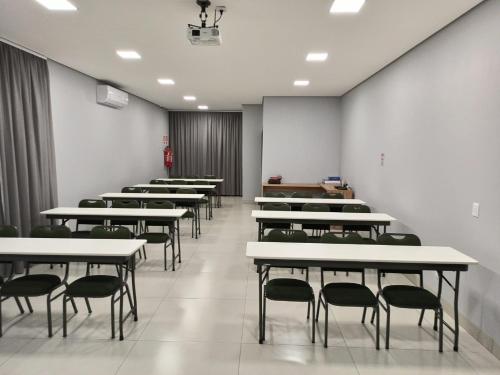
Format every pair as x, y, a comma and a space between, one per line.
475, 209
382, 159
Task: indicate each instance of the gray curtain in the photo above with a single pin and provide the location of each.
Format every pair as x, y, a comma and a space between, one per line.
27, 161
207, 143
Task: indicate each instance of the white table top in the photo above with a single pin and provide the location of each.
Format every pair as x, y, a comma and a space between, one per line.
327, 216
357, 253
140, 196
69, 247
308, 200
215, 180
176, 186
109, 212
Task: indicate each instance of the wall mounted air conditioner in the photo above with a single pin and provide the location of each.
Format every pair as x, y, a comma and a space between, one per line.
111, 97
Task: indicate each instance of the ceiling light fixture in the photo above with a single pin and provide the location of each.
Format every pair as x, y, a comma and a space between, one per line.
317, 56
189, 98
301, 83
166, 81
128, 54
203, 107
347, 6
57, 5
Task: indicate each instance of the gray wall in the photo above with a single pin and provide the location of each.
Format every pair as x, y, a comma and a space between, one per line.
100, 149
293, 126
252, 151
435, 114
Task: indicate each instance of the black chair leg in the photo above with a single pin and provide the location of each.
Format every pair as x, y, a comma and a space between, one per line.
421, 317
364, 315
435, 327
309, 310
144, 251
28, 303
388, 326
441, 324
264, 319
165, 258
19, 306
113, 316
88, 305
377, 328
319, 304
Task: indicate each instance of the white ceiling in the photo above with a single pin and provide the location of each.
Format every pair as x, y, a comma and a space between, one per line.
265, 43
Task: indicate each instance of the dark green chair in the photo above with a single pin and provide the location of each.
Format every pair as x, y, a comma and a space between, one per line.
317, 229
99, 286
178, 182
124, 203
88, 203
216, 193
205, 201
288, 289
192, 177
333, 196
357, 208
275, 194
191, 207
37, 285
10, 231
276, 207
347, 294
299, 194
132, 189
159, 190
409, 296
167, 239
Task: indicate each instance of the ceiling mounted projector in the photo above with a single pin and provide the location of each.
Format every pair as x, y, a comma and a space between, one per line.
203, 35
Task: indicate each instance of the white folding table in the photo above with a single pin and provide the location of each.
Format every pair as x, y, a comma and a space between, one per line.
139, 214
426, 258
66, 250
374, 220
299, 201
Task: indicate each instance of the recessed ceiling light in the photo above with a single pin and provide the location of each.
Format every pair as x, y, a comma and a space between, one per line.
166, 81
128, 54
301, 83
317, 56
204, 107
189, 98
57, 4
346, 6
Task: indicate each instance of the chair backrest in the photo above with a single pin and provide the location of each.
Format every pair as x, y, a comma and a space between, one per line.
201, 182
275, 194
352, 238
315, 207
277, 235
332, 196
276, 207
178, 182
131, 189
401, 239
193, 176
92, 203
158, 190
8, 231
209, 176
186, 191
116, 233
123, 203
163, 205
356, 208
51, 231
302, 194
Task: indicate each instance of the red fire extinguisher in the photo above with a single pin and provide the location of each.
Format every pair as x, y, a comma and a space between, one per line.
168, 157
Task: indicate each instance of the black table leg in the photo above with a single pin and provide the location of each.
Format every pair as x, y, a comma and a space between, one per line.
260, 232
120, 273
134, 294
261, 328
178, 237
455, 308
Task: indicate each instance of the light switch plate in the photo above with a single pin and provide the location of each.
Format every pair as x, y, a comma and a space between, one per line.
475, 209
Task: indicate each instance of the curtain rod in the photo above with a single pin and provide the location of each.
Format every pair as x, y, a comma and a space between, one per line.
25, 49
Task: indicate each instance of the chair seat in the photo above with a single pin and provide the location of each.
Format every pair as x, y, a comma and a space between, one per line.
154, 237
31, 285
349, 294
80, 234
276, 226
188, 215
410, 297
94, 286
288, 290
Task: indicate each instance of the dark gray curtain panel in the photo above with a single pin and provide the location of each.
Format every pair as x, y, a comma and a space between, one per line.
27, 161
207, 143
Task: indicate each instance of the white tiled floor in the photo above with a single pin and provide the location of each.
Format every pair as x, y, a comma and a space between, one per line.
202, 319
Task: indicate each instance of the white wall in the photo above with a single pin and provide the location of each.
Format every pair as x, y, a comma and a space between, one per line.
252, 151
435, 114
100, 149
293, 126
